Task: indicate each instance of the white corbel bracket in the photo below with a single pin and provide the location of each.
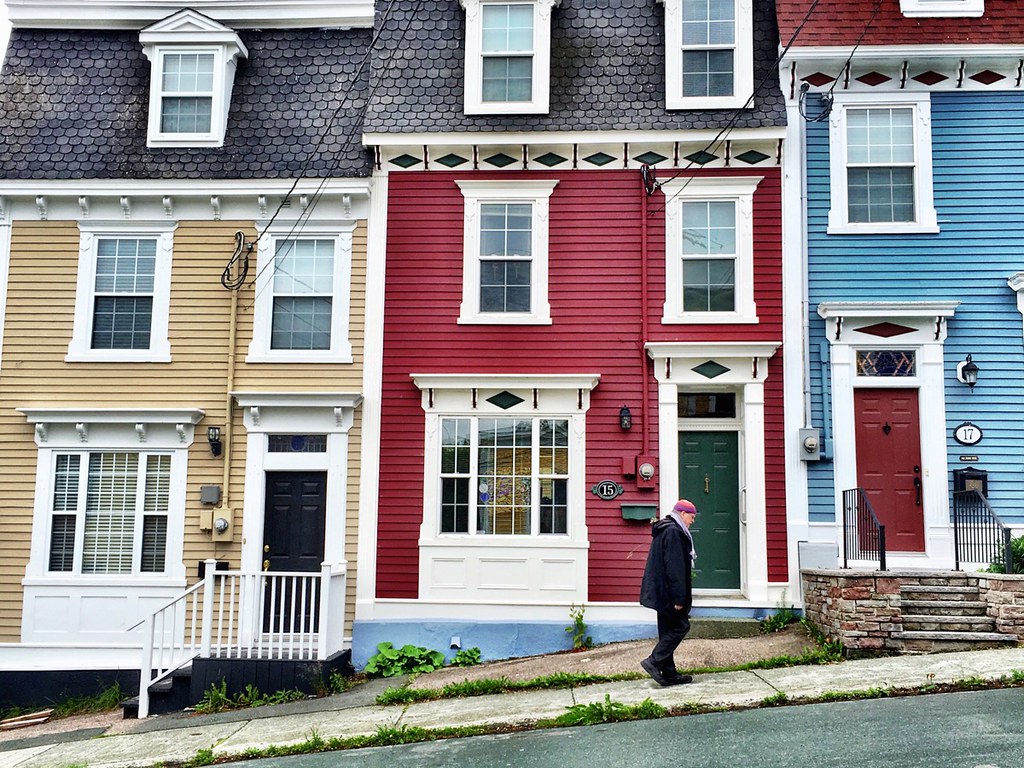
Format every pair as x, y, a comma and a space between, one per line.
182, 434
168, 207
126, 206
339, 416
41, 207
140, 430
215, 207
83, 206
254, 414
41, 432
83, 431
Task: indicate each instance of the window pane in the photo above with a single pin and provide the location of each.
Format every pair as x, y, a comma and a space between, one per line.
304, 267
110, 513
297, 443
506, 229
158, 483
62, 543
505, 479
507, 78
708, 73
65, 484
886, 362
880, 135
708, 22
709, 285
505, 286
455, 446
186, 114
554, 507
154, 544
125, 265
455, 505
301, 323
709, 227
122, 323
880, 194
707, 405
507, 28
188, 72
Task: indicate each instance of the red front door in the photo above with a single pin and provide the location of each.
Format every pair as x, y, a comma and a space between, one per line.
888, 436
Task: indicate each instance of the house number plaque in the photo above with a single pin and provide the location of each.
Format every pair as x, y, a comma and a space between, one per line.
967, 433
607, 490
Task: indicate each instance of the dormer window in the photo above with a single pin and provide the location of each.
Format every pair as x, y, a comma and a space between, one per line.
911, 8
708, 53
508, 56
193, 59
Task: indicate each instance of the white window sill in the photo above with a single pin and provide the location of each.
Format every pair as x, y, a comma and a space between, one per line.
184, 141
710, 318
503, 319
507, 108
482, 540
339, 358
118, 356
123, 581
711, 102
909, 228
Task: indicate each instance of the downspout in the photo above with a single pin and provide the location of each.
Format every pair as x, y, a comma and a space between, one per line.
646, 431
229, 388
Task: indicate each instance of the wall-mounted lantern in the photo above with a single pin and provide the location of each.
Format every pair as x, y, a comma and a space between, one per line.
967, 372
625, 418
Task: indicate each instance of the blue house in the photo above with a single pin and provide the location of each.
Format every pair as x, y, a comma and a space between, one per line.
905, 272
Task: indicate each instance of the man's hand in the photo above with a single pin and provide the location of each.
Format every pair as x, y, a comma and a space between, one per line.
678, 607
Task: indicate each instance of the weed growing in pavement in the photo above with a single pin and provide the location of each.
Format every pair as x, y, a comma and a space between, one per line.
578, 629
202, 757
784, 616
104, 701
607, 711
775, 700
217, 699
868, 693
467, 657
391, 662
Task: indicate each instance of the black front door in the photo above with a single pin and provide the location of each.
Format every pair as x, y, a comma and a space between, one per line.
294, 525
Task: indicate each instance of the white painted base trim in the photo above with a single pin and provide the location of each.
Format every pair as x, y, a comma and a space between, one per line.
20, 657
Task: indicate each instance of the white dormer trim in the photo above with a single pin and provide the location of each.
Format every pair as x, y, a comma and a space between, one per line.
964, 8
474, 103
184, 33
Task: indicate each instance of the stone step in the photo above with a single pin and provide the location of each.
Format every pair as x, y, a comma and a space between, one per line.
938, 642
948, 623
945, 607
926, 592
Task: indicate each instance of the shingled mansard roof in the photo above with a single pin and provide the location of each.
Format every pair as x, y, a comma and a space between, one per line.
74, 105
843, 22
607, 71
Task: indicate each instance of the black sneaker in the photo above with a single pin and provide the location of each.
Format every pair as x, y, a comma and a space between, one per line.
677, 679
651, 669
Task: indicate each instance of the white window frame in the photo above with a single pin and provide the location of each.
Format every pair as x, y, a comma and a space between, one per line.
924, 206
737, 189
913, 8
340, 232
188, 32
743, 60
538, 194
474, 103
80, 349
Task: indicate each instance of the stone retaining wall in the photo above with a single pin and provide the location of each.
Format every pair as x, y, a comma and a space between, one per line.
863, 609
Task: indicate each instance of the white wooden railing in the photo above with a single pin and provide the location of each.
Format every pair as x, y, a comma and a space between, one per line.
295, 616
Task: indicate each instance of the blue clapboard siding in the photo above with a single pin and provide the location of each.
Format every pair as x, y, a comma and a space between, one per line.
978, 162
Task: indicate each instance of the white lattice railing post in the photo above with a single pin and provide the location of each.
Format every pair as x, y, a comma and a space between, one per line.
206, 620
146, 671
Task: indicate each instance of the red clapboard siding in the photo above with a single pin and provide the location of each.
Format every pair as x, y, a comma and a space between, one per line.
596, 308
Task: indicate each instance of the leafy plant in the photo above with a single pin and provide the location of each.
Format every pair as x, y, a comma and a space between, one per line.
337, 682
775, 699
1016, 552
202, 757
609, 711
784, 616
467, 657
391, 662
217, 699
104, 701
578, 629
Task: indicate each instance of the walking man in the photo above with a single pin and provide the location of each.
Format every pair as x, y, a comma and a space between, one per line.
667, 588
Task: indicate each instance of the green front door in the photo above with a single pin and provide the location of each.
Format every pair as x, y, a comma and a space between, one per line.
709, 477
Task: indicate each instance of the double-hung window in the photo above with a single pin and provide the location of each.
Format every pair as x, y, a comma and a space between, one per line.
193, 61
302, 295
708, 53
122, 303
504, 476
505, 262
881, 165
109, 513
709, 250
508, 53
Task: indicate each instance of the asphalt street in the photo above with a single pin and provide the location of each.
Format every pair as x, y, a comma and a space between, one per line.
982, 729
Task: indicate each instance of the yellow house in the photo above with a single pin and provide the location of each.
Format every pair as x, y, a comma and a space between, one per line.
183, 282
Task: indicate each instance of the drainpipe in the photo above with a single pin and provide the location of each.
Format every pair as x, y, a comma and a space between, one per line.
646, 426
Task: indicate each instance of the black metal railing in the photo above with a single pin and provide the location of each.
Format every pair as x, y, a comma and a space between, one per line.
863, 535
979, 536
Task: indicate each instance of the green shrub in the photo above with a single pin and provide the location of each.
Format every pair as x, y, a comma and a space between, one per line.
1017, 552
391, 662
784, 616
467, 657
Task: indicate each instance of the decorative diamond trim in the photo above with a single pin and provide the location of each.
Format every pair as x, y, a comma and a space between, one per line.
701, 158
710, 369
930, 78
819, 79
452, 160
406, 161
873, 78
650, 158
600, 158
499, 160
885, 330
752, 157
504, 400
987, 77
550, 159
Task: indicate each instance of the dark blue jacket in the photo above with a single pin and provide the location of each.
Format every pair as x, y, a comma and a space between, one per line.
667, 575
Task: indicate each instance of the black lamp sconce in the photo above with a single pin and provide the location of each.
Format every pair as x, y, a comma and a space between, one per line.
625, 418
213, 438
967, 372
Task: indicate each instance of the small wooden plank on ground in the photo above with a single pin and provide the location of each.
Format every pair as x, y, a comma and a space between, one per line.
23, 721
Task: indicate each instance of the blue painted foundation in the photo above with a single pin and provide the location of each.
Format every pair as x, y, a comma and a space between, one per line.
510, 639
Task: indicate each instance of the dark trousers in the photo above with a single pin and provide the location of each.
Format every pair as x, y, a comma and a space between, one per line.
672, 628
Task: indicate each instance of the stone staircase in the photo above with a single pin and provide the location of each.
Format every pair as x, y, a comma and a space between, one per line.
947, 616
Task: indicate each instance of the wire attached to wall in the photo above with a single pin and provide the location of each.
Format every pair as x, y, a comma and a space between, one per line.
237, 270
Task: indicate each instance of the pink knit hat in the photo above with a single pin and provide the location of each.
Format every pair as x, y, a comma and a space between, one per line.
684, 505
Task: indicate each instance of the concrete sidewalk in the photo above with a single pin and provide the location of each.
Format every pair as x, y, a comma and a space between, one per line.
170, 739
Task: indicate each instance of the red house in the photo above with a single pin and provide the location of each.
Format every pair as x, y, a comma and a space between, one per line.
581, 302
